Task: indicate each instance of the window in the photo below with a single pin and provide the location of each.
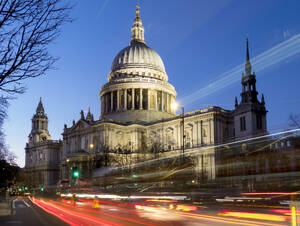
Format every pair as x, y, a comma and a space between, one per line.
82, 142
258, 121
243, 123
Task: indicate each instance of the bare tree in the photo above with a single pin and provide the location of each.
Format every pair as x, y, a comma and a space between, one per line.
27, 27
4, 153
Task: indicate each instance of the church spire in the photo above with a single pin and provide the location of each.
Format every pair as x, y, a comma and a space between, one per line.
39, 131
248, 64
137, 29
40, 108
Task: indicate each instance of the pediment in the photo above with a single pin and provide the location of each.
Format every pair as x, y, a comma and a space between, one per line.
80, 125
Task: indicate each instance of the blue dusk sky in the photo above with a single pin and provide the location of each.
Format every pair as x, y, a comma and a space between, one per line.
202, 45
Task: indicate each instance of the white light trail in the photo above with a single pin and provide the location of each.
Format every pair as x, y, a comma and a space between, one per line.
112, 196
201, 149
278, 53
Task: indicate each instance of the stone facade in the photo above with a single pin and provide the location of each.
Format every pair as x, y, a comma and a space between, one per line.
86, 139
250, 113
42, 158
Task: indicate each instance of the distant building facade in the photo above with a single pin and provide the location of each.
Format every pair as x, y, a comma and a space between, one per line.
137, 120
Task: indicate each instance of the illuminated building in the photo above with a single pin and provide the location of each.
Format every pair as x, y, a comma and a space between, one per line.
138, 123
42, 156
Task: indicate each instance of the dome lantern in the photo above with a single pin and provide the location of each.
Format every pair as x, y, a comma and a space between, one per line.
137, 29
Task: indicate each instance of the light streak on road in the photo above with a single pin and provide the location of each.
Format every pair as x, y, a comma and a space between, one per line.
72, 217
75, 215
271, 193
110, 196
286, 211
275, 55
78, 215
224, 220
160, 200
256, 216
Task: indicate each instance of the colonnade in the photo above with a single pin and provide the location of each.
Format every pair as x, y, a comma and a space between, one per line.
136, 99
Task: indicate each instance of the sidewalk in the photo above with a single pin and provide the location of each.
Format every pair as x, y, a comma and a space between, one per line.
5, 206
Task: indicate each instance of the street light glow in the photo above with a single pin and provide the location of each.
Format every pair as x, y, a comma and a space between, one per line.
174, 105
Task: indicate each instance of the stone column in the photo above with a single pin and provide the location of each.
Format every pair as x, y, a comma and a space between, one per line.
118, 100
197, 132
141, 99
213, 131
216, 135
111, 101
155, 96
177, 136
212, 166
210, 130
168, 107
201, 135
200, 159
162, 101
148, 97
105, 103
101, 105
125, 99
220, 130
132, 98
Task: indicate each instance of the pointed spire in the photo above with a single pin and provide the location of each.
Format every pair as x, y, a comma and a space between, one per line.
40, 108
247, 49
262, 99
235, 102
89, 116
137, 29
248, 64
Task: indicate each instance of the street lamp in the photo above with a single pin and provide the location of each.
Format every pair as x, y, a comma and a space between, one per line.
176, 106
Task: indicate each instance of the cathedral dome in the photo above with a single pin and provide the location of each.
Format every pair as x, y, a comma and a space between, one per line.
137, 88
138, 55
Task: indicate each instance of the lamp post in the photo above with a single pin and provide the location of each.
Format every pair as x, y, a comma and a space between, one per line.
183, 134
176, 106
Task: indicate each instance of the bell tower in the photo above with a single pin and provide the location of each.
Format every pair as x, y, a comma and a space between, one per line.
39, 130
250, 113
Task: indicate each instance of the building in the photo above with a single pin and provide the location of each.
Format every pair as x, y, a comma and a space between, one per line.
42, 158
137, 121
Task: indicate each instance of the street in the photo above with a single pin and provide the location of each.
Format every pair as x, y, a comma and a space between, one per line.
25, 213
36, 211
